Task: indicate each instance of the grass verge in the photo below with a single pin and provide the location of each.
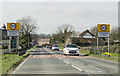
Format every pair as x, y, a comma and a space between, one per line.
61, 48
11, 61
114, 56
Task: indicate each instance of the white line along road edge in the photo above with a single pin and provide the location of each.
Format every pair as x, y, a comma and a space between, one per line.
20, 65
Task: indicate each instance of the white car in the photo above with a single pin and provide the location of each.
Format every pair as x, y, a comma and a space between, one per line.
71, 49
55, 47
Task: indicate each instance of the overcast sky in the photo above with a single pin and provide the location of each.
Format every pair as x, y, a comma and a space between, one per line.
50, 15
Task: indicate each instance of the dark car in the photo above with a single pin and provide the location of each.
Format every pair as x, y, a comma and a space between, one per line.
50, 46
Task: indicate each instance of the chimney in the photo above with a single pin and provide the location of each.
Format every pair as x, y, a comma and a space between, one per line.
87, 30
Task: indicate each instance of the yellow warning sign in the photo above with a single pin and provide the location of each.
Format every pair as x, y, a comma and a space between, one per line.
103, 27
13, 26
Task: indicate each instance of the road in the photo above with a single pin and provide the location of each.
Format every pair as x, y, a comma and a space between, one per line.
46, 61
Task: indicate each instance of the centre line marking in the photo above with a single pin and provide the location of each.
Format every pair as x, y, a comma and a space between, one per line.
77, 68
66, 62
95, 67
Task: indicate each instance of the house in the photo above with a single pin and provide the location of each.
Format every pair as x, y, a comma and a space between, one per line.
0, 35
4, 39
86, 34
86, 38
44, 41
0, 38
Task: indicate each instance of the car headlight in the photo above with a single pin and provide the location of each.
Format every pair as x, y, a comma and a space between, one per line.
77, 49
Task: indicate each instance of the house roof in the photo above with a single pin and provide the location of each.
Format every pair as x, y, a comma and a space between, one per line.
84, 32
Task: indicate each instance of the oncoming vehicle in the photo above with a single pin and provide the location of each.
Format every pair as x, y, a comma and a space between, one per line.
71, 49
55, 47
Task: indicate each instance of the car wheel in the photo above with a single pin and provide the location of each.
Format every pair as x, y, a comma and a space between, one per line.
67, 54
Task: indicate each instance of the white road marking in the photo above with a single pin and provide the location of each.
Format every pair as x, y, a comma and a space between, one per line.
66, 62
77, 68
95, 67
60, 58
20, 65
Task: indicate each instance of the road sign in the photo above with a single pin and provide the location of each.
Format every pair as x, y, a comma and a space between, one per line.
103, 27
13, 26
13, 43
103, 34
12, 33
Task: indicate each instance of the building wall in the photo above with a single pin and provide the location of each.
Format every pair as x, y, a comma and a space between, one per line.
87, 35
0, 35
43, 41
4, 34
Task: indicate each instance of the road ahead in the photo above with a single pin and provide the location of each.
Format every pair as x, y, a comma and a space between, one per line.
45, 61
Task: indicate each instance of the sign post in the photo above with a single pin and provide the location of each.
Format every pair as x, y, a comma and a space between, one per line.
103, 32
108, 45
13, 30
10, 38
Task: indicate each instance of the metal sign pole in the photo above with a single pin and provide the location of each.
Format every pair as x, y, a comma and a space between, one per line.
10, 38
97, 42
17, 43
108, 45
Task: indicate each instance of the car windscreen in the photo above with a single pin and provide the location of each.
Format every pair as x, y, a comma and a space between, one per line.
71, 46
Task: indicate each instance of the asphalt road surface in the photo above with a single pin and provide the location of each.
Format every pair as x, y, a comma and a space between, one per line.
46, 61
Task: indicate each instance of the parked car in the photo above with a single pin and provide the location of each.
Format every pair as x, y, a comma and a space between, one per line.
50, 46
47, 46
71, 49
55, 47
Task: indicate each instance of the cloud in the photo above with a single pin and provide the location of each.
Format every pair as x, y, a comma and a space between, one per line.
82, 15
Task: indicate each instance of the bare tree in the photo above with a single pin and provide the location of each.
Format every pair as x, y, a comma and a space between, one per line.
93, 30
27, 27
114, 34
63, 33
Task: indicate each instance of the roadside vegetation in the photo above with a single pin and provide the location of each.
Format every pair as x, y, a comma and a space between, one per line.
114, 55
11, 61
